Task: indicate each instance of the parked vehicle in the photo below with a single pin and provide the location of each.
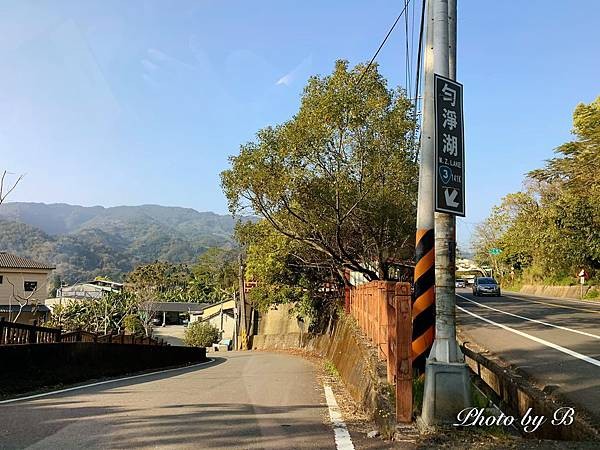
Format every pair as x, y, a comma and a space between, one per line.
460, 283
486, 286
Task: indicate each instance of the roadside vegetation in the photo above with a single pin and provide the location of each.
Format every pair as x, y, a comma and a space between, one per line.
212, 279
335, 188
550, 230
201, 334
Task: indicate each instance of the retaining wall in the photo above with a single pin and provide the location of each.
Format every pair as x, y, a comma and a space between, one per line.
517, 395
28, 367
555, 291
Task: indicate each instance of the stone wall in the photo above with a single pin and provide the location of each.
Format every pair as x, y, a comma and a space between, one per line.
555, 291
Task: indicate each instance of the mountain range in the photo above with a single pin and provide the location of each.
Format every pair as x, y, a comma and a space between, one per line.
84, 242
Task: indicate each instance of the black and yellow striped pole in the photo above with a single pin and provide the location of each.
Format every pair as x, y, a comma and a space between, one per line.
423, 306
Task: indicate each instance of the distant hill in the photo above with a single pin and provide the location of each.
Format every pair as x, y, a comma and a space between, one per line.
84, 242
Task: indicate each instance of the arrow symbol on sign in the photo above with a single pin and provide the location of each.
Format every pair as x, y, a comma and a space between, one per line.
451, 197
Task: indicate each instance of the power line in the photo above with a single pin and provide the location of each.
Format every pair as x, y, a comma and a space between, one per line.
383, 42
417, 76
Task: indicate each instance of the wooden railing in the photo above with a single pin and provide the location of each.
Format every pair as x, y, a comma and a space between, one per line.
19, 333
382, 310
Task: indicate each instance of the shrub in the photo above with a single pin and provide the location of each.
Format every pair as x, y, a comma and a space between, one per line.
133, 324
201, 334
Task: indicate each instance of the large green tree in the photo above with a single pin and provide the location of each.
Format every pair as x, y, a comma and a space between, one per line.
552, 228
340, 177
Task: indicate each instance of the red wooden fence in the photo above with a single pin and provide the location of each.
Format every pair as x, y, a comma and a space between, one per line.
382, 310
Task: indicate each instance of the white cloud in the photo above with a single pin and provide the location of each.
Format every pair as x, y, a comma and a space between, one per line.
298, 71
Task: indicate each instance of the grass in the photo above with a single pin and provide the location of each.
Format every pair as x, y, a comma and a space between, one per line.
481, 401
330, 369
418, 389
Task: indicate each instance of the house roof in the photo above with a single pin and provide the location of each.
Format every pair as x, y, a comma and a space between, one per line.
26, 308
10, 261
178, 306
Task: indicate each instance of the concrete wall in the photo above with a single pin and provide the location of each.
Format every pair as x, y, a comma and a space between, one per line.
226, 325
517, 394
18, 277
555, 291
28, 367
280, 321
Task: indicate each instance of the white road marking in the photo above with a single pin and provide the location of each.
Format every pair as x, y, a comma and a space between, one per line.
529, 319
559, 299
558, 305
585, 358
99, 383
343, 441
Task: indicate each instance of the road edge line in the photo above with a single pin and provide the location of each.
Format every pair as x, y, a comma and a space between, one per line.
529, 319
99, 383
343, 441
580, 356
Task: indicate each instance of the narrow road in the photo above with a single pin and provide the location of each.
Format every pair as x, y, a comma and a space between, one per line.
241, 400
555, 341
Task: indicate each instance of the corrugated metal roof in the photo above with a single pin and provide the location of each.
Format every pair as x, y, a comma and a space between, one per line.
178, 306
10, 261
27, 308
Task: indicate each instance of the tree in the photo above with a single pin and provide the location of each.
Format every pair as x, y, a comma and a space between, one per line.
22, 300
552, 228
5, 190
287, 272
201, 334
95, 314
340, 177
215, 275
166, 281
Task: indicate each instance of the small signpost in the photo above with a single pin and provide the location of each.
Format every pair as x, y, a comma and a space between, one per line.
449, 147
495, 251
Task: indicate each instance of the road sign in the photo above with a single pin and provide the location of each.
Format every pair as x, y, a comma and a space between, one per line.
449, 147
495, 251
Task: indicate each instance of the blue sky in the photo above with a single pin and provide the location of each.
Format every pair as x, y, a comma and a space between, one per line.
113, 102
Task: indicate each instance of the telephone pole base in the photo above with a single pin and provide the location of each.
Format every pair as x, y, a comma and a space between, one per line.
447, 392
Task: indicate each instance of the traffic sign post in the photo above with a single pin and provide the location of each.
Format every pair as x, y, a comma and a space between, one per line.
449, 147
495, 251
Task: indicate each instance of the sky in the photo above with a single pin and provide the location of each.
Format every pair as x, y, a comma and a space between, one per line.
141, 102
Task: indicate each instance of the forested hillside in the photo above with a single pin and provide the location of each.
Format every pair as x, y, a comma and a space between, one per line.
84, 242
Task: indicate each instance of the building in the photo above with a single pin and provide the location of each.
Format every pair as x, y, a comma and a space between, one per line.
174, 313
221, 316
23, 288
83, 291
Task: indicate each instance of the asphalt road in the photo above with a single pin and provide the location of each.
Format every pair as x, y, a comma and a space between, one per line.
241, 400
554, 341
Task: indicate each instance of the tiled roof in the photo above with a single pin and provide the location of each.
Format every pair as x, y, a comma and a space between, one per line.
10, 261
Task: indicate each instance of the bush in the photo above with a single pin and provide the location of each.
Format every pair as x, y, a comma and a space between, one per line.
201, 334
133, 324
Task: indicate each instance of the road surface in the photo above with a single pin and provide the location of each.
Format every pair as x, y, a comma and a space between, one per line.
555, 341
241, 400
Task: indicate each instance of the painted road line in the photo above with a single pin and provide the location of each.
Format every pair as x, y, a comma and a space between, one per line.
342, 436
585, 358
99, 383
529, 319
553, 304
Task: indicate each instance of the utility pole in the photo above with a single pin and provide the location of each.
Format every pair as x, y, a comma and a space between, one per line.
423, 304
447, 382
243, 329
